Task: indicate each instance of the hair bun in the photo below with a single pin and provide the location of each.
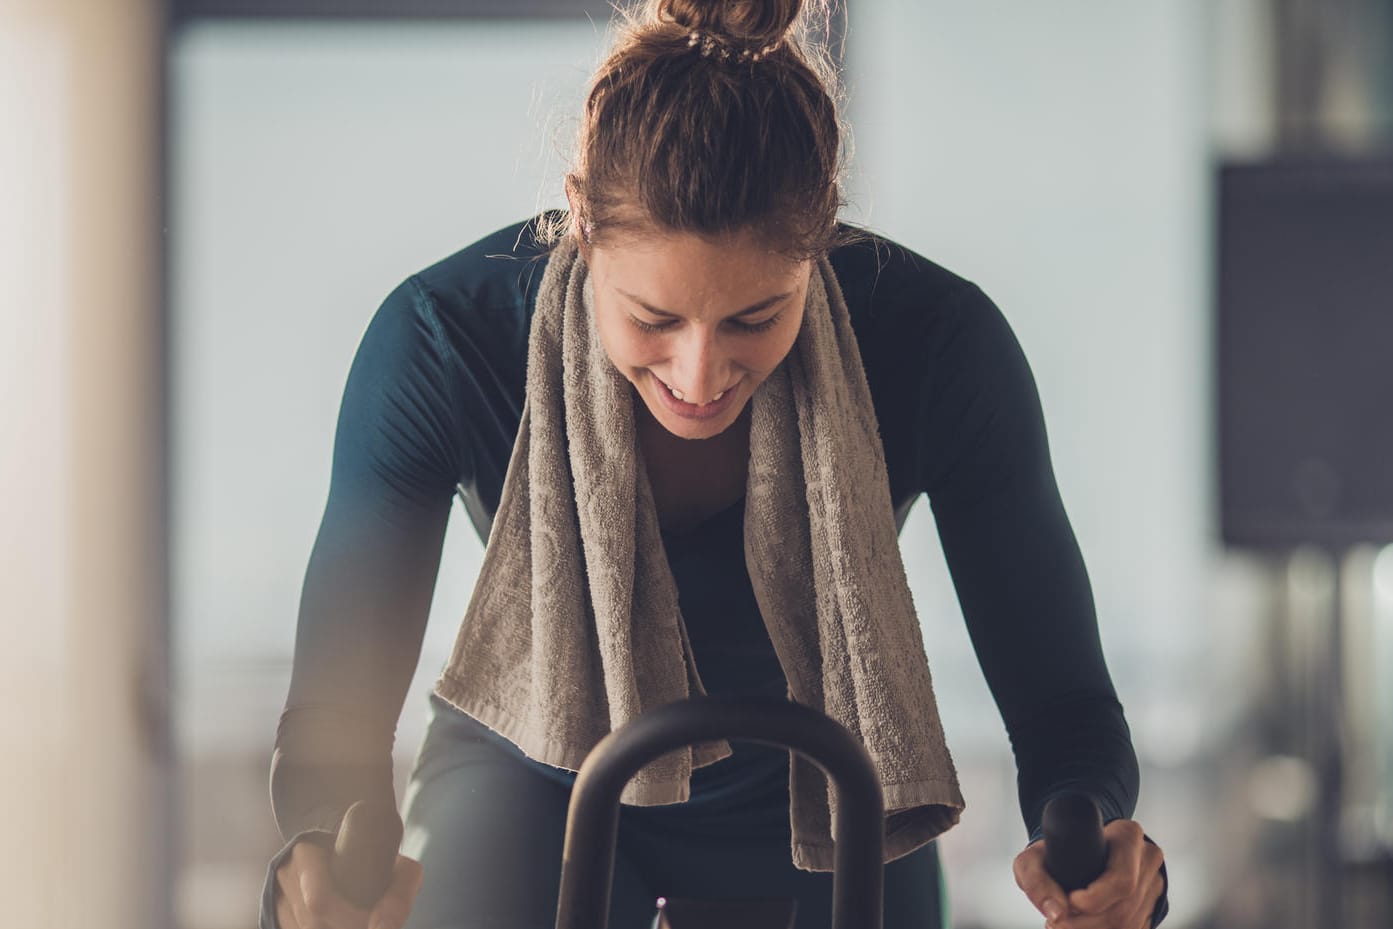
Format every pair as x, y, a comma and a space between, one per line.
746, 22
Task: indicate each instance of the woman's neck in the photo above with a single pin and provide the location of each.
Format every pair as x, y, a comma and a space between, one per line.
693, 479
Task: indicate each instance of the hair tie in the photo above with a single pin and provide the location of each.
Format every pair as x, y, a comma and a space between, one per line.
711, 45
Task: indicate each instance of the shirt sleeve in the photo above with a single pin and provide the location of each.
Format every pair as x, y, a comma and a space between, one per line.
983, 458
398, 457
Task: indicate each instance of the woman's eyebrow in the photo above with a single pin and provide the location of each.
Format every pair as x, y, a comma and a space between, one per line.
747, 311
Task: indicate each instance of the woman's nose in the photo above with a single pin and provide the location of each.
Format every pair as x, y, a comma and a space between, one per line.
700, 373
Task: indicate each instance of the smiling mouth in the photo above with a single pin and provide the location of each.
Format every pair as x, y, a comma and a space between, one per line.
677, 394
677, 404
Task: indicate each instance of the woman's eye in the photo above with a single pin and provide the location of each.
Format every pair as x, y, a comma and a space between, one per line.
650, 327
762, 325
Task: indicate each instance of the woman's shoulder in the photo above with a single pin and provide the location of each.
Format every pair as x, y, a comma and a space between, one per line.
907, 309
937, 352
886, 284
498, 273
463, 322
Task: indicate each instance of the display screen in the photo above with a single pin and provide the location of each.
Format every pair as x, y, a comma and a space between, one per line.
1305, 353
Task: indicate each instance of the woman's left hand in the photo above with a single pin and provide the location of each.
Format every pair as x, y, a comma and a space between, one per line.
1123, 896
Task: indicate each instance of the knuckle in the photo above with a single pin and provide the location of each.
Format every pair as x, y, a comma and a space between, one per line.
1130, 829
304, 856
1033, 880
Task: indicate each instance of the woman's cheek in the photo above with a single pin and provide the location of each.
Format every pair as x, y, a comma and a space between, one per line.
640, 352
627, 350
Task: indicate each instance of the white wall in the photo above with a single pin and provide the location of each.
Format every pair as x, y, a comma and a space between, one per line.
315, 166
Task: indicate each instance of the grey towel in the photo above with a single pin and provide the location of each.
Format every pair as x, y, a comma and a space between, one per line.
574, 627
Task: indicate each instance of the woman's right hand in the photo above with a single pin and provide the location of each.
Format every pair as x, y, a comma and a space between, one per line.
306, 899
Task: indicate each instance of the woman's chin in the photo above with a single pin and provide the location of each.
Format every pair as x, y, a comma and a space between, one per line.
687, 429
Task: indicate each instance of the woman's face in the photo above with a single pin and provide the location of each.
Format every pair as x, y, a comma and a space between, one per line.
695, 324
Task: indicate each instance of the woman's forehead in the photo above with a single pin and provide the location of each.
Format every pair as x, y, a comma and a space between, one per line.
683, 274
733, 257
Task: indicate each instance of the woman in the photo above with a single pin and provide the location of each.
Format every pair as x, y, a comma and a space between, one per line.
688, 418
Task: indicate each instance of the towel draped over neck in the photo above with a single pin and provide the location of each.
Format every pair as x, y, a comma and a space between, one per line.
574, 626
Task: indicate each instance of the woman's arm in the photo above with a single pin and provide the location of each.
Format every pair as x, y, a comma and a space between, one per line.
1019, 574
398, 457
1017, 568
431, 407
367, 591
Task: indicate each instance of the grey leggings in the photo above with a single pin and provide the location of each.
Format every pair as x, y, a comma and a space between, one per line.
487, 826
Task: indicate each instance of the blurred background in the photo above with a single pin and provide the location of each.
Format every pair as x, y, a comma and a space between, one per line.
1184, 207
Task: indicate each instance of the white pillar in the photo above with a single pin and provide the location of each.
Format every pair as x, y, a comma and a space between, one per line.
85, 784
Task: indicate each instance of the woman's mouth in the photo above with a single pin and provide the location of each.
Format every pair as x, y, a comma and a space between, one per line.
676, 401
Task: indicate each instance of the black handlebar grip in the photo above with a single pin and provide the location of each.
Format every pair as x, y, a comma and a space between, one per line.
1075, 854
365, 851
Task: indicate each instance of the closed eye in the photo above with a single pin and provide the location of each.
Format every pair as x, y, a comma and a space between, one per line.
744, 328
670, 319
651, 327
761, 326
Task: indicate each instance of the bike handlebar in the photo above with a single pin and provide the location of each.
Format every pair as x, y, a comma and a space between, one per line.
368, 839
592, 823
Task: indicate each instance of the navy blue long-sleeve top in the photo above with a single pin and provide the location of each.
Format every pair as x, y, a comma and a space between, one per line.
431, 410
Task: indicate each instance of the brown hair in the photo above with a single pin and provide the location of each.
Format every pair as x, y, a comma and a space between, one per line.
712, 117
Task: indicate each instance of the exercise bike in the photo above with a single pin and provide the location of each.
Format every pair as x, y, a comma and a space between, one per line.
365, 850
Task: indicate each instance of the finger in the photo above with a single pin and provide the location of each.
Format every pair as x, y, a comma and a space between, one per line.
406, 880
1119, 916
323, 905
407, 875
390, 913
1153, 885
1123, 873
285, 917
300, 916
1133, 912
290, 904
1146, 903
1037, 885
394, 907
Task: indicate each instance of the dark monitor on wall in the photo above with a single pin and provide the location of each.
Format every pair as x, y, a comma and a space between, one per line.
1305, 353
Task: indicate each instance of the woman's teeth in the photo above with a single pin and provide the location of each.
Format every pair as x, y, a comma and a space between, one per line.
683, 397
